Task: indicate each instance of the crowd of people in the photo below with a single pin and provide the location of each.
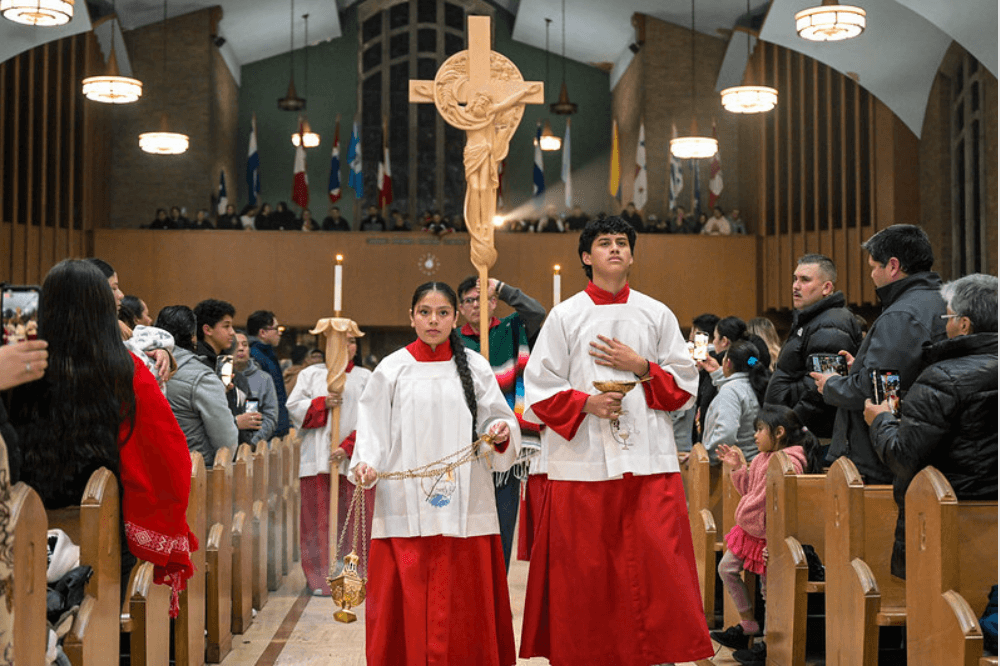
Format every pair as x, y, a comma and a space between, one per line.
678, 222
591, 476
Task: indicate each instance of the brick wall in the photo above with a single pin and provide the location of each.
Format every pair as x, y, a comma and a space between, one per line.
199, 98
657, 88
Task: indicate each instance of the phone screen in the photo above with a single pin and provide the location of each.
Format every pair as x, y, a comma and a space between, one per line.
19, 305
251, 406
886, 388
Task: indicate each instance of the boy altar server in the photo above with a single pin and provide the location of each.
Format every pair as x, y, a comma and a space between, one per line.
612, 577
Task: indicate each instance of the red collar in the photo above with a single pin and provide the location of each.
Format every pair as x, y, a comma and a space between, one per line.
422, 352
468, 331
601, 297
350, 366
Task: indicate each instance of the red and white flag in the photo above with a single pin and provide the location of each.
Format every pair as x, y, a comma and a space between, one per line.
384, 180
300, 182
714, 174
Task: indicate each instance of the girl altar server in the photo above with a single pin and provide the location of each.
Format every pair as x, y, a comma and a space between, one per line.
437, 590
309, 408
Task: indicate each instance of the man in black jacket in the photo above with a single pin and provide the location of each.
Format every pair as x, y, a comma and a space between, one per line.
949, 416
901, 258
821, 325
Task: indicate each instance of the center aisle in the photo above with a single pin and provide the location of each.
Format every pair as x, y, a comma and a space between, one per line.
298, 630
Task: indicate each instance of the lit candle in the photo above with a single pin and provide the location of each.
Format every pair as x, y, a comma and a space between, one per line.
338, 280
556, 286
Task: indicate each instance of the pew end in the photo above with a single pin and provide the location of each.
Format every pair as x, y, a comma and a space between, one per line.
145, 617
28, 524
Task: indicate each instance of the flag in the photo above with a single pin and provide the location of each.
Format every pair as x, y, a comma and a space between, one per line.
714, 174
676, 176
355, 179
334, 186
615, 182
253, 164
300, 181
384, 180
567, 176
500, 168
539, 169
696, 194
223, 197
640, 188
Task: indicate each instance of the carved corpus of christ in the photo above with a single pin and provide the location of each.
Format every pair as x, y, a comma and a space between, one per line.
482, 92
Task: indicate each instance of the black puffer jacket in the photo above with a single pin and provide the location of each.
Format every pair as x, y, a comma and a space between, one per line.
825, 327
949, 420
912, 316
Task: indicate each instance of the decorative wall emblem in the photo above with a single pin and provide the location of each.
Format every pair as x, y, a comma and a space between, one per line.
428, 264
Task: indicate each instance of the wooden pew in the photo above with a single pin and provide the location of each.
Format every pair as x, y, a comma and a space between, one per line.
704, 513
290, 501
146, 618
795, 516
242, 540
951, 563
28, 529
277, 559
296, 451
260, 525
218, 550
189, 627
95, 526
861, 594
730, 500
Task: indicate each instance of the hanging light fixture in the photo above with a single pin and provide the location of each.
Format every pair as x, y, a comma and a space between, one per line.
693, 147
291, 101
305, 135
563, 107
44, 13
749, 98
112, 87
549, 141
163, 142
830, 22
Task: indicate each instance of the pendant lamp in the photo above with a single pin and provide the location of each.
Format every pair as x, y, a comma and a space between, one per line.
305, 135
112, 87
830, 22
749, 98
43, 13
549, 141
563, 107
693, 146
163, 142
291, 101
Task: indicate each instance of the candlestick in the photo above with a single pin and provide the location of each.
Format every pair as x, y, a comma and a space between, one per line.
556, 286
338, 280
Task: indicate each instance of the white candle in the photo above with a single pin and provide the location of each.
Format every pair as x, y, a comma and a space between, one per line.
338, 281
556, 286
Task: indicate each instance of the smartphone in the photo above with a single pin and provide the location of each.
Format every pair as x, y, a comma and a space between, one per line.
20, 305
886, 388
252, 406
827, 363
700, 352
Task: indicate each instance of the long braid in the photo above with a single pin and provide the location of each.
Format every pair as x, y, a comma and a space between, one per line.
464, 374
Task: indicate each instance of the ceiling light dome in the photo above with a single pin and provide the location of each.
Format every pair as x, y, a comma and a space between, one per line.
163, 143
693, 147
38, 12
749, 99
830, 22
112, 88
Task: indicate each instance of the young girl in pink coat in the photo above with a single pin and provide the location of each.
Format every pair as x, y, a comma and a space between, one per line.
777, 428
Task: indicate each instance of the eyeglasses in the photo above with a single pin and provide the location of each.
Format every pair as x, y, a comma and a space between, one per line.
949, 316
474, 300
271, 328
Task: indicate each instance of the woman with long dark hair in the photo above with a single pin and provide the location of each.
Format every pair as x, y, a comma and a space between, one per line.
98, 406
437, 580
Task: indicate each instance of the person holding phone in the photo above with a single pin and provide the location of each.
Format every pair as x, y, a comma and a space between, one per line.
261, 403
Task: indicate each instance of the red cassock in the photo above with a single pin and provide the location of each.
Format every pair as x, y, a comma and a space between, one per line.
612, 578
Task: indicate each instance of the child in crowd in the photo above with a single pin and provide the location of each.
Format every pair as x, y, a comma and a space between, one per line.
730, 418
437, 586
777, 428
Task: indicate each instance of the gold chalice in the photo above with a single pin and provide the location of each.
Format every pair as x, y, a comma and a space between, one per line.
619, 430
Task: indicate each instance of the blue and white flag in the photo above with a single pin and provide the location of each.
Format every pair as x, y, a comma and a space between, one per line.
640, 186
567, 176
223, 197
676, 176
253, 164
539, 170
355, 179
334, 185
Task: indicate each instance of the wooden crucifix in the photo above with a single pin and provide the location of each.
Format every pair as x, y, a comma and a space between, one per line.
482, 92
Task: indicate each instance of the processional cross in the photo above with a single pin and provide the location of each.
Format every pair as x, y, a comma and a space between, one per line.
482, 92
